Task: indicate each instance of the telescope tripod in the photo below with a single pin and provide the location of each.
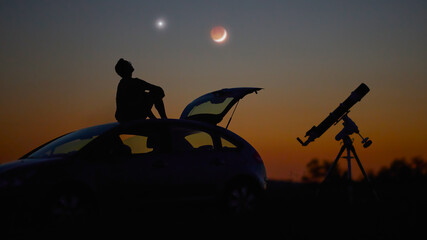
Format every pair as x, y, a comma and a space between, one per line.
348, 145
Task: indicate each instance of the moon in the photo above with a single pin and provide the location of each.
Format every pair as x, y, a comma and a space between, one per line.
219, 34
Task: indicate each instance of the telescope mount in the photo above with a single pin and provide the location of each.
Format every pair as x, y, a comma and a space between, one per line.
349, 128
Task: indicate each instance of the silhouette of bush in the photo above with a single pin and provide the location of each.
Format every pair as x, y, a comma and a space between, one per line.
317, 171
401, 171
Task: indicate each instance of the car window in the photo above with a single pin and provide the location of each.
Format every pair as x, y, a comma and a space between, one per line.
69, 147
136, 143
70, 143
227, 144
191, 140
200, 139
211, 107
144, 140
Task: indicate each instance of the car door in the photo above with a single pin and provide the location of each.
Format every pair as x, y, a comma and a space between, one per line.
144, 171
197, 167
131, 163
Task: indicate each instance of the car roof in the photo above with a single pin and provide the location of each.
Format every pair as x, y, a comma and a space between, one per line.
180, 122
169, 121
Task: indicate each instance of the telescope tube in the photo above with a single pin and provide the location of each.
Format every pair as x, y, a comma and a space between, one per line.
336, 115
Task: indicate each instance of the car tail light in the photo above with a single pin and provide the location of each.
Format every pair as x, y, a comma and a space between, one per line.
257, 157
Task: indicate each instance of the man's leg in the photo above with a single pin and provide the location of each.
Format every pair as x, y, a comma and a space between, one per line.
160, 106
146, 109
150, 115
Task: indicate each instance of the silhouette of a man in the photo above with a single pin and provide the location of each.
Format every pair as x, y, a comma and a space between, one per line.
136, 97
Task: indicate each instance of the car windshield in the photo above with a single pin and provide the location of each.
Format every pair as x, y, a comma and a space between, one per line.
70, 143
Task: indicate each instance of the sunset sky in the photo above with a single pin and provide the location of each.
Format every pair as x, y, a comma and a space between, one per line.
57, 70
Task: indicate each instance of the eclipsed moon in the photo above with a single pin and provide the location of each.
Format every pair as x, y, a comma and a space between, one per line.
219, 34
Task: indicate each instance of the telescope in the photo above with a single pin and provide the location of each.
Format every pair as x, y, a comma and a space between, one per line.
340, 113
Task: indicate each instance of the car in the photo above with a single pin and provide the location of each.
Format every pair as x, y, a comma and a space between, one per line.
190, 159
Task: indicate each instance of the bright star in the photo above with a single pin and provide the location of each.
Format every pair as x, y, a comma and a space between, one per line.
160, 24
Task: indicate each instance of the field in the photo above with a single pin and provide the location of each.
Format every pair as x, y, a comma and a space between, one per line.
290, 211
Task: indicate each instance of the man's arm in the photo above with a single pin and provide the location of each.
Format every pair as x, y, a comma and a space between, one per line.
157, 95
153, 89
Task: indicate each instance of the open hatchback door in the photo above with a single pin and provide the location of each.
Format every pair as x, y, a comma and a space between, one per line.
212, 107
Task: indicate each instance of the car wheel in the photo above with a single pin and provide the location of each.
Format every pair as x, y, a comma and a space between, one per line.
242, 198
69, 206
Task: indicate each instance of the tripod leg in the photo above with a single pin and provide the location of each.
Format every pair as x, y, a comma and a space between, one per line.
349, 186
334, 163
330, 169
349, 164
364, 173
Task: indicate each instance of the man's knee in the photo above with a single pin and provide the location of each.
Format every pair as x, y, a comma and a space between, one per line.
158, 93
156, 98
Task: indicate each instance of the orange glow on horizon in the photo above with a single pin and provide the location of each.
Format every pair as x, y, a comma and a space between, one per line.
57, 71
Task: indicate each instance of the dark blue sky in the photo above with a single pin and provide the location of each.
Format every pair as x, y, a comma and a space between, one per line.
57, 60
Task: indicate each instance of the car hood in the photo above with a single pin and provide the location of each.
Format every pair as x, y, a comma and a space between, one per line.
212, 107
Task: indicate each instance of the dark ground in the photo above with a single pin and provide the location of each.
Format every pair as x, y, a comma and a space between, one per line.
290, 211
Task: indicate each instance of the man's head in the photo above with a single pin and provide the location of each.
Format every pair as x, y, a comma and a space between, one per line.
124, 68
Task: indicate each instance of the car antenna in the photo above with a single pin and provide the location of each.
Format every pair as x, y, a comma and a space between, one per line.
229, 120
